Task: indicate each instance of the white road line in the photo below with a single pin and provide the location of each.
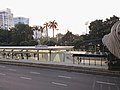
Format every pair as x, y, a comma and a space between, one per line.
105, 83
2, 74
93, 86
2, 66
35, 72
12, 69
116, 85
60, 84
64, 76
26, 78
101, 86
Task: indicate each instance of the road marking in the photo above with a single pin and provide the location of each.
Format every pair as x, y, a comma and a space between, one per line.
35, 72
105, 83
60, 84
12, 69
26, 78
2, 66
64, 77
116, 85
2, 74
93, 86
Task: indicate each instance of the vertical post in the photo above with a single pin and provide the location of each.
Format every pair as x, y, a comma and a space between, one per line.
73, 60
12, 53
89, 60
83, 60
22, 57
38, 55
63, 57
101, 61
27, 54
95, 62
49, 55
4, 53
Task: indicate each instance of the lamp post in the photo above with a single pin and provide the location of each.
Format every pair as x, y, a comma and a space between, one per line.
86, 23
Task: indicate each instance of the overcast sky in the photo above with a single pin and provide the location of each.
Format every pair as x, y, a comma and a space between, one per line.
69, 14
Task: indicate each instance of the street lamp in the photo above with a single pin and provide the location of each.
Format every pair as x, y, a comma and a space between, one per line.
86, 23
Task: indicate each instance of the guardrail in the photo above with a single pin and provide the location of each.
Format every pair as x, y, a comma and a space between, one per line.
96, 59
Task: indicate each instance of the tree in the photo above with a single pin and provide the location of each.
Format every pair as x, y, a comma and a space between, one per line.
53, 25
98, 29
51, 42
68, 39
46, 25
5, 37
21, 32
41, 30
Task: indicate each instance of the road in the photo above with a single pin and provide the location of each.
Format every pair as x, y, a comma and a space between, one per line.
14, 77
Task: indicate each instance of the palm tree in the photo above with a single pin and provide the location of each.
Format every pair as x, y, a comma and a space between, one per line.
53, 25
46, 25
41, 30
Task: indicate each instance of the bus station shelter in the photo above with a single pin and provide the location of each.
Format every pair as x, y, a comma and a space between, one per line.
34, 52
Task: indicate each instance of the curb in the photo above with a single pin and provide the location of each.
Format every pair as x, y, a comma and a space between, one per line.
65, 68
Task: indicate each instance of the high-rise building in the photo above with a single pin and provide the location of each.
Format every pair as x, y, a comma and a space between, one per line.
21, 20
6, 19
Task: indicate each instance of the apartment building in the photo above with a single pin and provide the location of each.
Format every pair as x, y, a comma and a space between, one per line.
21, 20
6, 19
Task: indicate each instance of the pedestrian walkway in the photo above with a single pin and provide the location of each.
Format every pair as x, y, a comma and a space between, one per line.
56, 63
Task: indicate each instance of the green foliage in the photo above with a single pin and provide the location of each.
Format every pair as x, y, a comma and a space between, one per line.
68, 39
24, 43
50, 43
21, 33
17, 35
32, 43
43, 40
99, 28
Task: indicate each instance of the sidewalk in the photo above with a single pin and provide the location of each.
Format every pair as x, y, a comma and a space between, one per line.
63, 66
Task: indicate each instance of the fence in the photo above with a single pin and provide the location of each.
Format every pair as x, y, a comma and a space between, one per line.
90, 59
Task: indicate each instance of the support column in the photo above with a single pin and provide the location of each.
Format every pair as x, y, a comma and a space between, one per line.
49, 55
38, 55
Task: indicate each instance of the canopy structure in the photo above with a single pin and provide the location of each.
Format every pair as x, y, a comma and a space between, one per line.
112, 40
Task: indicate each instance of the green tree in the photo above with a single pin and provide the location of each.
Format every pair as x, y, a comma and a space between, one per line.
5, 37
21, 32
99, 28
53, 25
68, 39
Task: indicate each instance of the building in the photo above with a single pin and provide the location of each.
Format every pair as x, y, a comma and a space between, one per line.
6, 19
21, 20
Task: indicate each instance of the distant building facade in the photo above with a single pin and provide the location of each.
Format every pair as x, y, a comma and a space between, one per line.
21, 20
6, 19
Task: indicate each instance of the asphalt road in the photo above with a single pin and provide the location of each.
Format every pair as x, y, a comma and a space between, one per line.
31, 78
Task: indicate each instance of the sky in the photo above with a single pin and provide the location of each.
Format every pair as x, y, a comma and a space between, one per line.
69, 14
